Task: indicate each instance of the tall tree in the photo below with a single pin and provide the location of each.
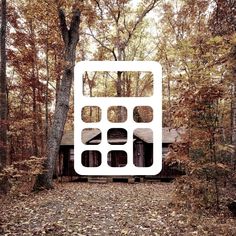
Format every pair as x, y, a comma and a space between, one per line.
3, 89
223, 23
117, 24
70, 37
195, 91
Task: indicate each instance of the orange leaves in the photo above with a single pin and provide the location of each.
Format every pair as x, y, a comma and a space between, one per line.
21, 175
206, 94
209, 94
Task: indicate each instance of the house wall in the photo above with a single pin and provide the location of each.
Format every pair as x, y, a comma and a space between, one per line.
117, 133
143, 156
117, 158
66, 163
169, 172
138, 153
148, 154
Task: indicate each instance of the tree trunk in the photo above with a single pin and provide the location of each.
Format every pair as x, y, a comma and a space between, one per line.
70, 38
3, 89
47, 89
34, 79
233, 56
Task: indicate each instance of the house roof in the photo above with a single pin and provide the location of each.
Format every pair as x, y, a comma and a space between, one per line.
67, 138
168, 135
144, 134
88, 134
172, 135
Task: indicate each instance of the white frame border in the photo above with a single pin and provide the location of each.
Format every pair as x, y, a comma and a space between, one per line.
155, 101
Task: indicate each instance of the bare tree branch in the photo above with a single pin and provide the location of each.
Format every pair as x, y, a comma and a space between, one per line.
102, 44
100, 8
152, 5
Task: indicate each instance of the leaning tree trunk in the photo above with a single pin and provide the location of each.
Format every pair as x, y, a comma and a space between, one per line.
3, 89
70, 38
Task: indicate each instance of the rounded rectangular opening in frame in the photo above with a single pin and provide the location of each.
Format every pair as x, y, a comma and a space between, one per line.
117, 84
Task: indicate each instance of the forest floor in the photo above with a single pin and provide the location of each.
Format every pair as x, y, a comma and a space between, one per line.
107, 209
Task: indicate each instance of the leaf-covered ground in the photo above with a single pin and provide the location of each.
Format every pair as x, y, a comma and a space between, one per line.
107, 209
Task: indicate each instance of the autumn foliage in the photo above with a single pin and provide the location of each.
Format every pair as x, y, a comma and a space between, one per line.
197, 54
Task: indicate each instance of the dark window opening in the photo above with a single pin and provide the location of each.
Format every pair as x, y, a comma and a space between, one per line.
91, 158
117, 136
117, 158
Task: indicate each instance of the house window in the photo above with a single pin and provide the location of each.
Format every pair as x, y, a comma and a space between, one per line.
91, 158
117, 136
117, 158
165, 150
71, 154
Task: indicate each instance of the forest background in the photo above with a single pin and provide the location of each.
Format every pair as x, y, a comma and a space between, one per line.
194, 41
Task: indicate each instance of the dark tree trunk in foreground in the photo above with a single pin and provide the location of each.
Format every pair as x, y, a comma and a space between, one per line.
70, 38
3, 89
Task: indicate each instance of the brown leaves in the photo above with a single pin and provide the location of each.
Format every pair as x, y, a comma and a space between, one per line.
20, 176
89, 209
107, 209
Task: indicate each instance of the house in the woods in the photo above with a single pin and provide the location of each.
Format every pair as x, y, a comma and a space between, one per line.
142, 149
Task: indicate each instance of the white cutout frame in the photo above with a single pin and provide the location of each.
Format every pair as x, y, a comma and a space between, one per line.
155, 101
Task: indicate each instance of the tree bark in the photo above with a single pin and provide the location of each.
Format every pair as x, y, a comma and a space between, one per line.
34, 79
233, 56
47, 89
70, 37
3, 89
